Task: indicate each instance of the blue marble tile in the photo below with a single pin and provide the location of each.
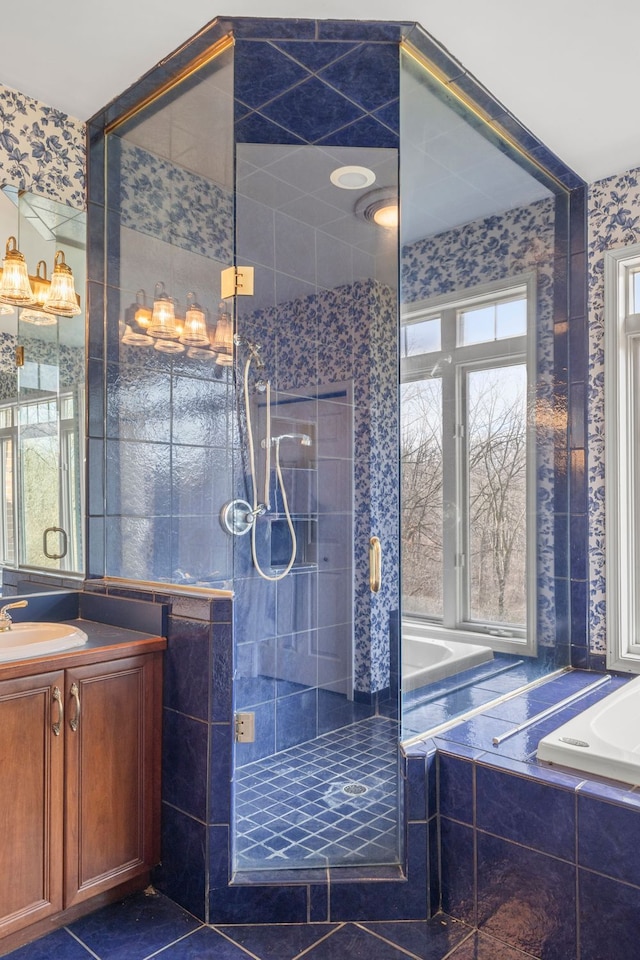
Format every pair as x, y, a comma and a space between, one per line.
543, 924
477, 732
267, 28
186, 668
262, 72
204, 942
416, 788
277, 942
133, 928
264, 904
388, 900
58, 944
608, 918
335, 711
359, 30
296, 719
312, 110
608, 838
365, 132
222, 673
254, 128
455, 788
479, 946
356, 943
518, 709
428, 939
184, 754
255, 608
458, 870
525, 811
369, 75
317, 54
318, 903
220, 772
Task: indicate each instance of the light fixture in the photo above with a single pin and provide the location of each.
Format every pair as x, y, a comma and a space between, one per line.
163, 318
15, 287
194, 333
222, 343
135, 339
141, 312
40, 285
379, 206
62, 299
352, 178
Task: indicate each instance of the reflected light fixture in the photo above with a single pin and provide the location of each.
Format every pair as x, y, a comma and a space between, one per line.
379, 206
35, 314
142, 313
195, 332
62, 299
15, 286
222, 343
55, 297
163, 318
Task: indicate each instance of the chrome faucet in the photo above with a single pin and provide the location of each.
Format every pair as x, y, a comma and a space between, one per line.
5, 619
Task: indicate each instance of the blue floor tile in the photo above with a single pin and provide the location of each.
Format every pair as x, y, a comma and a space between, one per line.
278, 941
134, 928
203, 943
59, 945
427, 939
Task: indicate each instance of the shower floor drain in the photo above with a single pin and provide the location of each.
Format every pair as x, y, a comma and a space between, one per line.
354, 789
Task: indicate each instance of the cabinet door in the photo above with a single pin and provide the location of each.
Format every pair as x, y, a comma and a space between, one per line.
31, 799
111, 774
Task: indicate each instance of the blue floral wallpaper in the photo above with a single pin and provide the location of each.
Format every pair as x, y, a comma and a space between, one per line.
614, 221
41, 149
158, 198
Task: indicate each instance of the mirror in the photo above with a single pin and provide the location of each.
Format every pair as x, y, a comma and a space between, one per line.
42, 377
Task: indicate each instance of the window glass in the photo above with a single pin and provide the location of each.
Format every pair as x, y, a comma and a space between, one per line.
634, 306
423, 337
497, 493
421, 439
492, 321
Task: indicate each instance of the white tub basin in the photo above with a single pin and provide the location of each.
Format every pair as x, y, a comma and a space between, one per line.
25, 640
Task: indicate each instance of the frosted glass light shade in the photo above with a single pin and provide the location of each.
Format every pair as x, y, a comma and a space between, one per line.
195, 332
223, 337
163, 319
15, 286
62, 298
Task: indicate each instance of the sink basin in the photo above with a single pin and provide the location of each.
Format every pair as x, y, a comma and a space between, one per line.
26, 640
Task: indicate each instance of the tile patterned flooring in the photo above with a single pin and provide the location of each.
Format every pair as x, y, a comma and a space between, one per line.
295, 808
149, 925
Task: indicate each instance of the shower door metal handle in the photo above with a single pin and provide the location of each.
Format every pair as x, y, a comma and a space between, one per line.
375, 564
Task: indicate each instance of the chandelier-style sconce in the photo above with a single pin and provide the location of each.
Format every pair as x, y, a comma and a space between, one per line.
49, 298
163, 327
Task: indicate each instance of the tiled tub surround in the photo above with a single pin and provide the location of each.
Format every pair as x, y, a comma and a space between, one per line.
542, 858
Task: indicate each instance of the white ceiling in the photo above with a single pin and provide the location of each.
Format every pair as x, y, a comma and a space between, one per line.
565, 68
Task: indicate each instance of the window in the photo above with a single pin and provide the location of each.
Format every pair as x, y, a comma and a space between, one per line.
622, 456
468, 550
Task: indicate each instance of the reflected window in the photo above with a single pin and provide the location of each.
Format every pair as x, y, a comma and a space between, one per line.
465, 495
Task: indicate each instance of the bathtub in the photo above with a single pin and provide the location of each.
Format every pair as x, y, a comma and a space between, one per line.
425, 659
604, 739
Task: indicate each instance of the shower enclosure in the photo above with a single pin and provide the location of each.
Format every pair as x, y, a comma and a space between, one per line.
263, 311
252, 439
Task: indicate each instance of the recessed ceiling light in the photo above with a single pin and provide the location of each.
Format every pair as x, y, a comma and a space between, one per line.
379, 206
352, 178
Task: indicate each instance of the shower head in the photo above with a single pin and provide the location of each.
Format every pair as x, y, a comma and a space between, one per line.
304, 438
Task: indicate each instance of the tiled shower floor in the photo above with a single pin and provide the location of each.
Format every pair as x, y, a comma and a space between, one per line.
292, 808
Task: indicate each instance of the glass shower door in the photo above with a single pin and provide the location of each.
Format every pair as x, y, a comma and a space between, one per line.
316, 755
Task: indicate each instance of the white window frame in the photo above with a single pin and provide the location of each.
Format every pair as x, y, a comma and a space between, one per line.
503, 638
622, 460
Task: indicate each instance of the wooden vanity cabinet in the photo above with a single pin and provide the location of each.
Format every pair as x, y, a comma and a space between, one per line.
79, 786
